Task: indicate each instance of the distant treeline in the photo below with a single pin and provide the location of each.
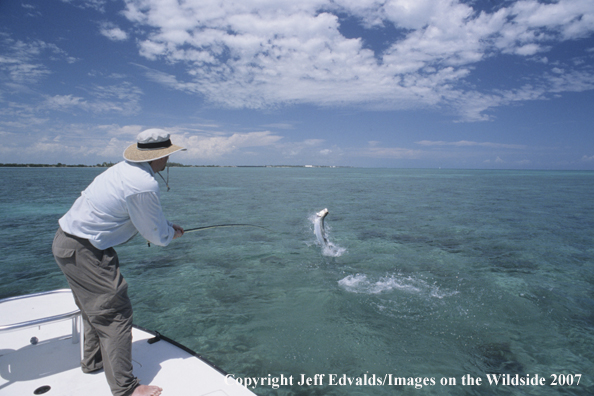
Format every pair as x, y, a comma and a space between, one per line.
58, 165
61, 165
175, 164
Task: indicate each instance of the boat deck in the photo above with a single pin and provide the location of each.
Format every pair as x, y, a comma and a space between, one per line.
40, 354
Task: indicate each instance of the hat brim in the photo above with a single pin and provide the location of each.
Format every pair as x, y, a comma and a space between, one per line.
133, 154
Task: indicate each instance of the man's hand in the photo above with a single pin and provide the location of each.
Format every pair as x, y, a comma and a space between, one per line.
178, 231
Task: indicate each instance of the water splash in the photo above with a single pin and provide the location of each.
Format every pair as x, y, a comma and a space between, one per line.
359, 283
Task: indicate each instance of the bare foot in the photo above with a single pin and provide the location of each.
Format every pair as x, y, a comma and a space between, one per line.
147, 390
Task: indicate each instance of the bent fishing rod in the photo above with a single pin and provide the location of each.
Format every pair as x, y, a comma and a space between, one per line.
224, 225
220, 226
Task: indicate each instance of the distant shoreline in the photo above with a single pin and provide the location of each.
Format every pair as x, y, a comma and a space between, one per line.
172, 164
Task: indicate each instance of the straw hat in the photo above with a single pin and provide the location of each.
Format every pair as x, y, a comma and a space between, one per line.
151, 144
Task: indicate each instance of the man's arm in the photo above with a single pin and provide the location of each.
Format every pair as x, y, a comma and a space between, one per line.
148, 218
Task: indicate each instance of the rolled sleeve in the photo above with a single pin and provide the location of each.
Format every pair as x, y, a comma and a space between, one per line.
148, 218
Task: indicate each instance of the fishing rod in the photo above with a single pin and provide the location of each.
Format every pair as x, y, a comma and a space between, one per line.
220, 226
224, 225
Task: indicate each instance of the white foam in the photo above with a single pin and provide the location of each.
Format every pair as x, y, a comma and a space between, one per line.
359, 283
332, 250
354, 282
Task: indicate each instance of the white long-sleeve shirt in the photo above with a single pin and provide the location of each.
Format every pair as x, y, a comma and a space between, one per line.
120, 202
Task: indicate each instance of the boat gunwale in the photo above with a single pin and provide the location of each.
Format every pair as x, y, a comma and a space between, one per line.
39, 321
158, 337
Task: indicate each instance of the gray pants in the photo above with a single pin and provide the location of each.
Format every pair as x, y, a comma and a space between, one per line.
100, 292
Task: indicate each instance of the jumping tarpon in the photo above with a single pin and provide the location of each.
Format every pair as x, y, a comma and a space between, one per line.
319, 227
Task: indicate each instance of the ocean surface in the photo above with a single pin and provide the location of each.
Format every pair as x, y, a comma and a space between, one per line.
457, 276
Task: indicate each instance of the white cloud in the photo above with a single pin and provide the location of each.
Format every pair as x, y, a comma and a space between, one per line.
31, 10
128, 131
313, 142
203, 146
466, 143
392, 153
459, 151
59, 102
281, 125
98, 5
266, 53
528, 49
65, 142
571, 19
123, 99
497, 160
305, 148
20, 61
91, 143
113, 32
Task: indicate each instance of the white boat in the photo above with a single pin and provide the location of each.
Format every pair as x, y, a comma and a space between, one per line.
40, 353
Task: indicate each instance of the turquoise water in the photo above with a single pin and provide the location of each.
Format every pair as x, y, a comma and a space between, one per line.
434, 273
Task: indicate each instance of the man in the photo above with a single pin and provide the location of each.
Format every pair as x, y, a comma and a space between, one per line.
119, 203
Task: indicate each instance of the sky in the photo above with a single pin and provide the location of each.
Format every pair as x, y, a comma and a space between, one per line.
470, 84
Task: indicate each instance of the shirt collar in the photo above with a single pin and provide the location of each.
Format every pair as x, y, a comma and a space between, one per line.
143, 165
